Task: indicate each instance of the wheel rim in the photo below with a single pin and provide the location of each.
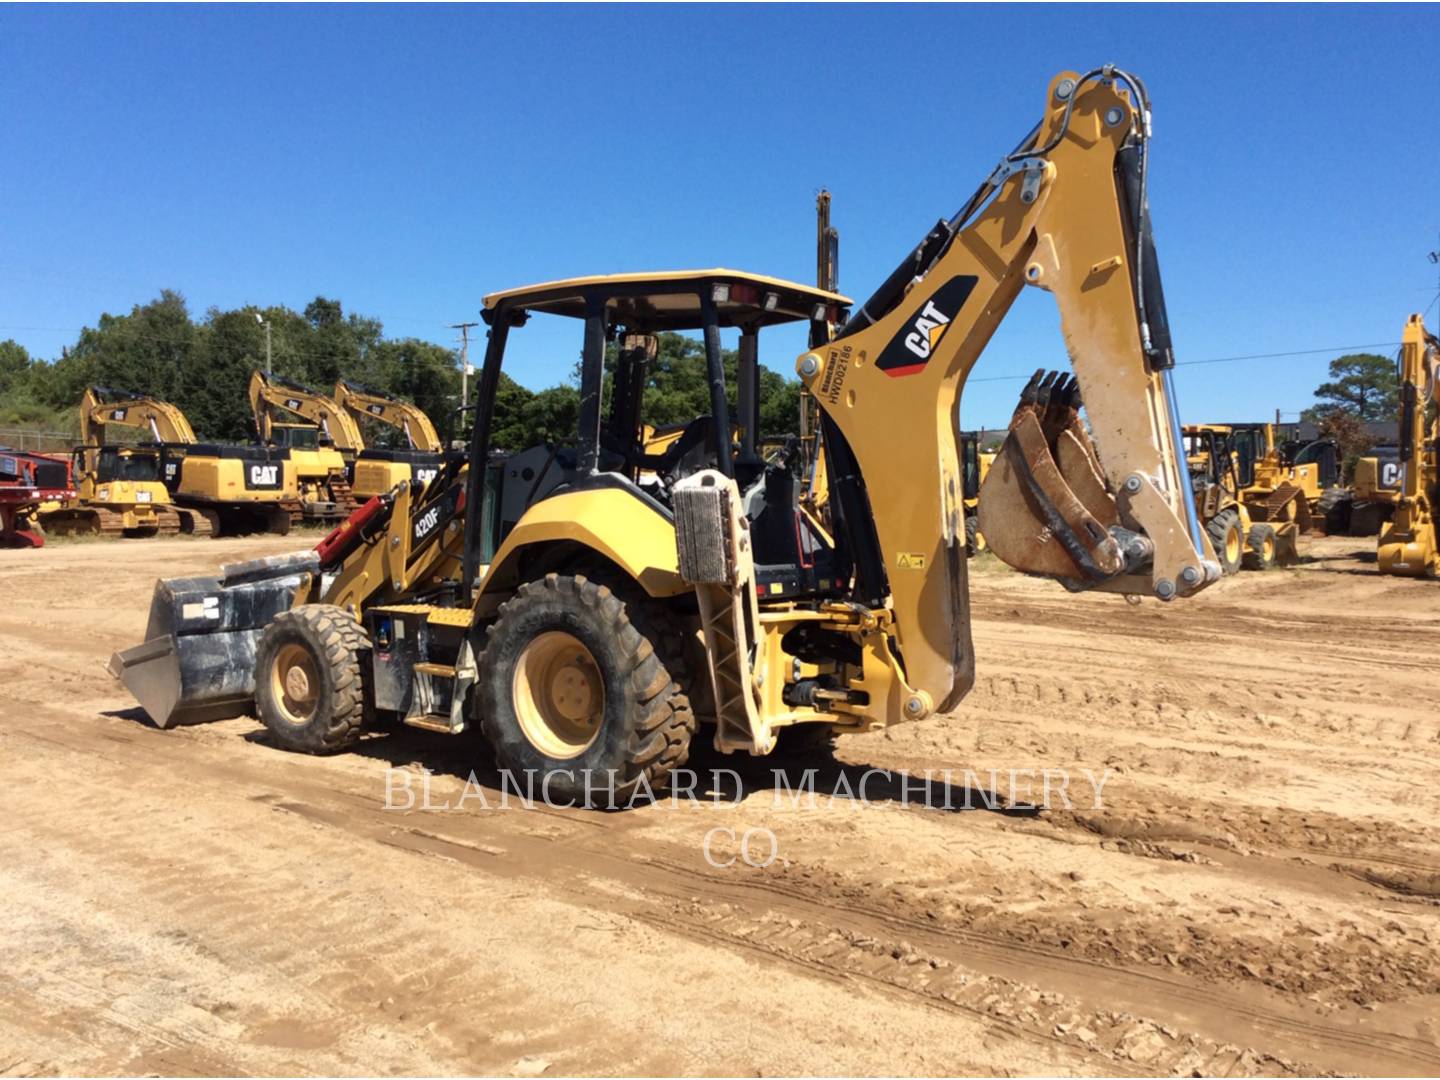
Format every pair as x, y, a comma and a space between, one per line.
1232, 545
295, 679
559, 695
1267, 548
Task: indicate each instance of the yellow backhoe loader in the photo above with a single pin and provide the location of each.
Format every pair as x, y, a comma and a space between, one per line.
322, 450
562, 607
1409, 543
376, 469
1238, 540
174, 483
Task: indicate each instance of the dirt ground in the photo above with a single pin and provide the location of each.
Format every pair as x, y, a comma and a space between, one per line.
1258, 892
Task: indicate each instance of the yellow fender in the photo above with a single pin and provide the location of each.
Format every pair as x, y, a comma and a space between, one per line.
611, 521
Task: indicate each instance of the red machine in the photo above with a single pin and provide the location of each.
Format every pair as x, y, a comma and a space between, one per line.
26, 481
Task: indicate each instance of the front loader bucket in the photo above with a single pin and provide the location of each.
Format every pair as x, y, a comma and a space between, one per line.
197, 662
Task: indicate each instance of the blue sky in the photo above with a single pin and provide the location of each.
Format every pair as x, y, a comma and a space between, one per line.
407, 161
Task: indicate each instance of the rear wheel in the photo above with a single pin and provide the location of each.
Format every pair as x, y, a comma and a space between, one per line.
1262, 547
579, 691
309, 678
1225, 537
974, 538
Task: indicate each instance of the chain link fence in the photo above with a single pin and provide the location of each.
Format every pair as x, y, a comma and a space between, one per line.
18, 438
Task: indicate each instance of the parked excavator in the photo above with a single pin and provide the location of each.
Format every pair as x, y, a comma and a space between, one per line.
1374, 492
563, 603
376, 470
323, 442
171, 484
1409, 543
30, 482
1239, 541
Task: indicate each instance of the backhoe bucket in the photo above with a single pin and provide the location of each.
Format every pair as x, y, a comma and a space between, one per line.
198, 659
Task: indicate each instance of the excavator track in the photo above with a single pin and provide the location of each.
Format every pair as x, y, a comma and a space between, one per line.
196, 522
343, 495
92, 521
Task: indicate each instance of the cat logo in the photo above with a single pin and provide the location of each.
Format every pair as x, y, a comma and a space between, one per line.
1392, 474
375, 410
118, 414
264, 475
426, 522
292, 404
424, 476
911, 348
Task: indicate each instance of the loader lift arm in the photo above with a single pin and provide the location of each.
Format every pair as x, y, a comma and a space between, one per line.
1065, 212
364, 403
271, 392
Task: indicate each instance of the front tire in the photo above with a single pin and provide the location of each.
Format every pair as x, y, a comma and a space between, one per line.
974, 538
309, 678
579, 692
1263, 545
1225, 537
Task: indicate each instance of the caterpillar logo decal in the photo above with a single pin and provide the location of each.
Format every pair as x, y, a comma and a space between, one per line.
262, 477
909, 350
375, 410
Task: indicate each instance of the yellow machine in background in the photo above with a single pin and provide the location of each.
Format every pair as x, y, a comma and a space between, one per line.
322, 450
1409, 543
376, 469
173, 484
1239, 540
1374, 490
1274, 489
565, 617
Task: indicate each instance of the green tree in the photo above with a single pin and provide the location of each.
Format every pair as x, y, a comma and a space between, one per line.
509, 429
552, 415
420, 372
14, 366
1361, 385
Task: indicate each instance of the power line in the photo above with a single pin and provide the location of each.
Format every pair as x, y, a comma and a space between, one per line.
1228, 359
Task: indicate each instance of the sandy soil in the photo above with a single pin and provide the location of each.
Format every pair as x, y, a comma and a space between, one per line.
1258, 893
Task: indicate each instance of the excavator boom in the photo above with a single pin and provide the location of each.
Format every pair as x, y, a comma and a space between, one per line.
364, 403
1066, 212
271, 392
1409, 543
102, 406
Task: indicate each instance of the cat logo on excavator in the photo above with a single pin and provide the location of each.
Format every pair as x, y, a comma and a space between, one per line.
911, 348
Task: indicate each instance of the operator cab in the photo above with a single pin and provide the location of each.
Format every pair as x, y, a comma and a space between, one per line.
617, 444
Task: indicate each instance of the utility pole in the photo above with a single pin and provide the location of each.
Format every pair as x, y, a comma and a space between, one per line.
265, 323
464, 329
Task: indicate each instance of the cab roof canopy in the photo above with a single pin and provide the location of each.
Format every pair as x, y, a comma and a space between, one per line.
671, 300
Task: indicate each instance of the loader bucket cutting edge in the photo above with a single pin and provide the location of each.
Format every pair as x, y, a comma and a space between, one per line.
152, 673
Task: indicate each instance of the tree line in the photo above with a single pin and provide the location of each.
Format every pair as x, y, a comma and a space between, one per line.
204, 366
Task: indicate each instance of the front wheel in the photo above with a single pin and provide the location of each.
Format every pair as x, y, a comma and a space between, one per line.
1263, 544
578, 692
1225, 537
309, 678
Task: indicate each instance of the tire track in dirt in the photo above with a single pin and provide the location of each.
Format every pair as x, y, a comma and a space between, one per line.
559, 852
